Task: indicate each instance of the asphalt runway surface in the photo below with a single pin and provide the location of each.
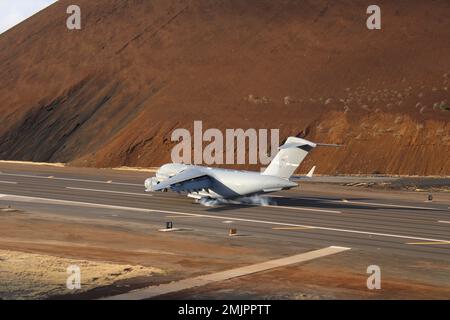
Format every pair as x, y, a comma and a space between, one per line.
317, 217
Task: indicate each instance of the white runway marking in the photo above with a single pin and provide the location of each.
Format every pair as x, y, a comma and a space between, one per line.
181, 216
303, 209
443, 221
393, 205
110, 191
366, 203
429, 243
176, 286
70, 179
149, 195
8, 182
97, 205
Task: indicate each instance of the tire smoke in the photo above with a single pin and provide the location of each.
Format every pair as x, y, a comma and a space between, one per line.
253, 200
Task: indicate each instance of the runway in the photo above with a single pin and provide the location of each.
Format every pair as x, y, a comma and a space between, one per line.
314, 216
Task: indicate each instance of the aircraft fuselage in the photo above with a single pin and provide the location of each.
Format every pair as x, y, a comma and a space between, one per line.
226, 183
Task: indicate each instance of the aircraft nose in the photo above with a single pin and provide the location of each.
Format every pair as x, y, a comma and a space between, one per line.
148, 183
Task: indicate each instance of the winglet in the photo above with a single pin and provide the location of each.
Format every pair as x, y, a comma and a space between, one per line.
311, 172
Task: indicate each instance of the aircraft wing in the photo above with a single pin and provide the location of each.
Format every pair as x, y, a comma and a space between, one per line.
191, 179
308, 176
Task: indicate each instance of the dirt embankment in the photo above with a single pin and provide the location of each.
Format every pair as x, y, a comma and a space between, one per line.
112, 93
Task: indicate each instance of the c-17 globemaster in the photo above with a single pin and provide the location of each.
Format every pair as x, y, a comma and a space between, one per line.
205, 183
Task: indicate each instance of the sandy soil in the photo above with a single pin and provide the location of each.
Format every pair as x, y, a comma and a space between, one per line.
59, 165
37, 276
105, 248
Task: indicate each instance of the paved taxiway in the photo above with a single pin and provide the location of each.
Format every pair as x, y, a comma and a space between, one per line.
314, 216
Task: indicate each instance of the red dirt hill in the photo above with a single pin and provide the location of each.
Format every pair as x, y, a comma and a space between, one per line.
111, 93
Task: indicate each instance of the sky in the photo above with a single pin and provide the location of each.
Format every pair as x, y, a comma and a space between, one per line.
13, 12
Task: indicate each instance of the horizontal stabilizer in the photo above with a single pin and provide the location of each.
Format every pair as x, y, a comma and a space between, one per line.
329, 145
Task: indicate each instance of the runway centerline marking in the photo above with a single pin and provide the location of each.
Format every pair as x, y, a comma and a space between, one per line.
367, 203
70, 179
110, 191
394, 205
290, 208
189, 283
302, 209
181, 216
291, 228
430, 243
8, 182
97, 205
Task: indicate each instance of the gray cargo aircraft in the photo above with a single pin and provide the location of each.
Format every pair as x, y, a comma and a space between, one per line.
204, 183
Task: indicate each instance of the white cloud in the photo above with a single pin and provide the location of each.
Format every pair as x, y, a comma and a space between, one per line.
13, 12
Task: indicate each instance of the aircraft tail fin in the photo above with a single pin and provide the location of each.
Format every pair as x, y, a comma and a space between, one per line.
291, 154
311, 172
